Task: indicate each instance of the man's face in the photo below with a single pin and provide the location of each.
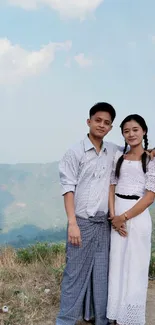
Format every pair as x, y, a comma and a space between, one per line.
100, 124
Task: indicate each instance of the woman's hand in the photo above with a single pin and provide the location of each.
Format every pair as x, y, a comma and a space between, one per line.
117, 221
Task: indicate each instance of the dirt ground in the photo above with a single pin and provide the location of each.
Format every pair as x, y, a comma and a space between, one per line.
150, 317
151, 304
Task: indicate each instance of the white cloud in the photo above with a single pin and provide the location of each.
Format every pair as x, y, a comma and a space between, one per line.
82, 61
68, 63
17, 63
69, 8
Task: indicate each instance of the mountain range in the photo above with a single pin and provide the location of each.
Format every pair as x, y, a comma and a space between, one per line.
30, 200
31, 206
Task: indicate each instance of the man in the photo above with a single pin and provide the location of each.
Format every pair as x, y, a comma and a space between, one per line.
85, 177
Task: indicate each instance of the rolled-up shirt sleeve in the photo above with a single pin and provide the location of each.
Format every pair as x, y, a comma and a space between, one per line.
68, 172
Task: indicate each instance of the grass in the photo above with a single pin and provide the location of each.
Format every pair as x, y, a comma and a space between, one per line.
152, 266
25, 275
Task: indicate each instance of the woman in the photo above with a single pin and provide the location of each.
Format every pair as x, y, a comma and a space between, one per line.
132, 191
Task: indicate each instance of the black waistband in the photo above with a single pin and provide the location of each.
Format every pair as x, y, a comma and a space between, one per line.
128, 197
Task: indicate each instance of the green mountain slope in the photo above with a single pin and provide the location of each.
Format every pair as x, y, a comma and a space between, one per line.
31, 206
30, 194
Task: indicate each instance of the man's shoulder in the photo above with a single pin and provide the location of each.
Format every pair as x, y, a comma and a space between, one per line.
111, 146
76, 150
77, 147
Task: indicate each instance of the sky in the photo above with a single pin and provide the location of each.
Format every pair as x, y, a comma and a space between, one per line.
58, 58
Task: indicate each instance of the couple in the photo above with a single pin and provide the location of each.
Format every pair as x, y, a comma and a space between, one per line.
107, 253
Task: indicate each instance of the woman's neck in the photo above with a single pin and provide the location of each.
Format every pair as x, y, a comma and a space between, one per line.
136, 151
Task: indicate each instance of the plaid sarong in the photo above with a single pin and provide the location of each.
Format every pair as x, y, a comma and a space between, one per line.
85, 281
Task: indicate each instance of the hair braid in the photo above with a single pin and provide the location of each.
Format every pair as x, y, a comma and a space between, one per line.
120, 161
146, 142
125, 148
145, 157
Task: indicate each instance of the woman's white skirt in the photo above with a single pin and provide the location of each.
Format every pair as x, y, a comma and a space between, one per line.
129, 266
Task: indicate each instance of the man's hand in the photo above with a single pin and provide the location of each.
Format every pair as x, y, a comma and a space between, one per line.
151, 153
74, 235
122, 231
117, 222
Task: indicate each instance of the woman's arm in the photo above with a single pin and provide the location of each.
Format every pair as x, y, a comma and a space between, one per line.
137, 209
141, 205
144, 202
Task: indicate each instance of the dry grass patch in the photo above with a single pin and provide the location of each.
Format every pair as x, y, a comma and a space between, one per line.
23, 284
24, 277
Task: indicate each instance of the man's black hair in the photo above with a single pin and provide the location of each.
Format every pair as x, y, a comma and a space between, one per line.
103, 107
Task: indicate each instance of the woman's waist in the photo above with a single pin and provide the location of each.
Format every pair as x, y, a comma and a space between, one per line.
128, 197
124, 203
130, 191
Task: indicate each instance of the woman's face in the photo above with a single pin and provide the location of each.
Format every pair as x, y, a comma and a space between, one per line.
133, 133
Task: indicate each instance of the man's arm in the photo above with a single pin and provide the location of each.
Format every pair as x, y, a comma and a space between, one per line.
116, 148
74, 235
150, 152
112, 200
113, 182
68, 171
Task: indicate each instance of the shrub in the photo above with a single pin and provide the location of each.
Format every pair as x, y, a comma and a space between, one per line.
152, 266
39, 252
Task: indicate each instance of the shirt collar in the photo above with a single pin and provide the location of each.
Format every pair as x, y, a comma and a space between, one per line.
88, 145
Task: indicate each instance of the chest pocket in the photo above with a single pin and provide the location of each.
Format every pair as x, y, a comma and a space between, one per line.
88, 164
101, 166
93, 165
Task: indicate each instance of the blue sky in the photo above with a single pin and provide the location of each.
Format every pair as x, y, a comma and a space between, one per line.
57, 61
